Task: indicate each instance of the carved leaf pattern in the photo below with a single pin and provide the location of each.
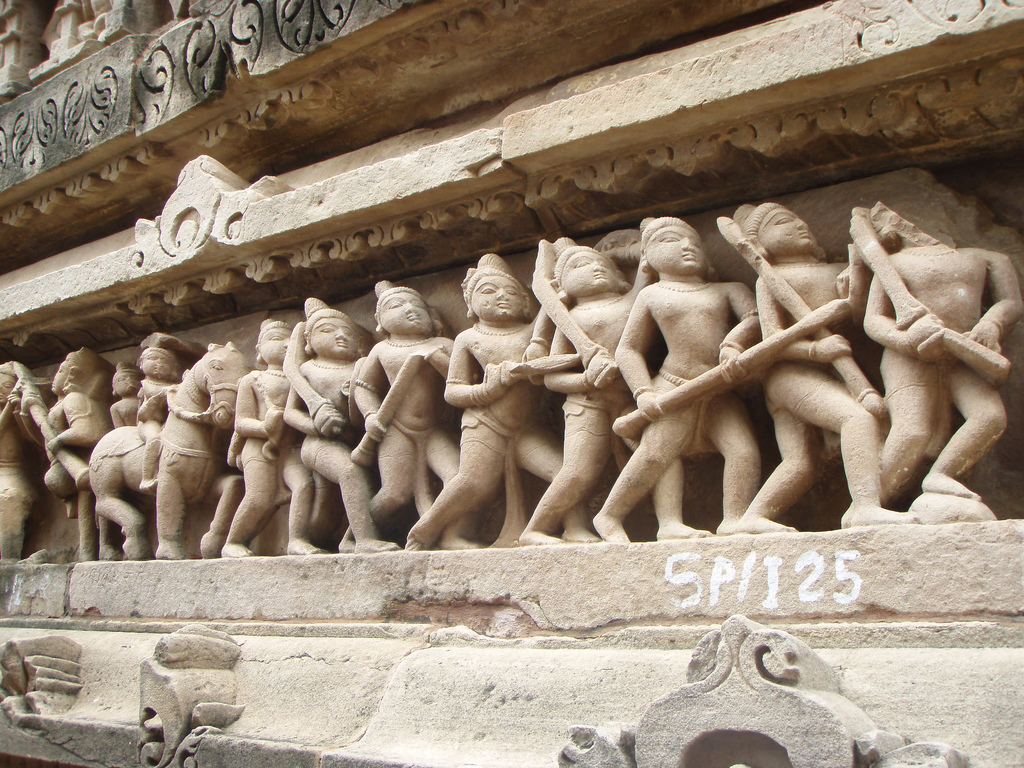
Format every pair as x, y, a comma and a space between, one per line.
154, 83
305, 23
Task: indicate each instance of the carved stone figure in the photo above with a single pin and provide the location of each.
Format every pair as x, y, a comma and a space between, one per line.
400, 391
321, 364
755, 697
704, 323
163, 361
499, 432
267, 451
595, 394
189, 465
813, 383
126, 385
926, 306
41, 676
17, 492
189, 684
70, 429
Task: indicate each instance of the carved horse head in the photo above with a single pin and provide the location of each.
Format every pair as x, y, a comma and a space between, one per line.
214, 380
217, 375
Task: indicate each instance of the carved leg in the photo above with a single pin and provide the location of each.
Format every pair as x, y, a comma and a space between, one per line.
480, 475
260, 489
88, 535
170, 511
662, 442
14, 511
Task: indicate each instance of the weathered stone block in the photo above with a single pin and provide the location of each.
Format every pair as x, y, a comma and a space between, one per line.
36, 590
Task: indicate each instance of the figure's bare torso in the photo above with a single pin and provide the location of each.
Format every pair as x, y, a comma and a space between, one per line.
603, 321
693, 322
420, 405
515, 407
950, 282
329, 380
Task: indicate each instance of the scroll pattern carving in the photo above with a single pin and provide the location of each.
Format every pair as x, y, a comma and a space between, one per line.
70, 120
189, 63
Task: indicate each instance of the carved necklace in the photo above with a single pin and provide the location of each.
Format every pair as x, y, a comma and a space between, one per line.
493, 332
392, 343
332, 366
685, 288
279, 374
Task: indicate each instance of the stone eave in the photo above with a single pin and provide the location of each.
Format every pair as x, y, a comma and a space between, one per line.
550, 169
396, 65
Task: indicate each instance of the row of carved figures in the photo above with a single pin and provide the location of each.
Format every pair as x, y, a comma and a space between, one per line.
323, 409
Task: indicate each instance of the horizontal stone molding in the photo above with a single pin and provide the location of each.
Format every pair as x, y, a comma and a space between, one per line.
941, 572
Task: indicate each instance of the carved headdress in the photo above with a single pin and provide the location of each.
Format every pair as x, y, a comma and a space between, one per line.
185, 354
316, 310
753, 220
129, 372
567, 248
266, 327
88, 372
385, 289
651, 226
490, 265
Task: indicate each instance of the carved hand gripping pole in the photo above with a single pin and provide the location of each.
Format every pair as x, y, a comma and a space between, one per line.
715, 380
74, 464
790, 300
988, 363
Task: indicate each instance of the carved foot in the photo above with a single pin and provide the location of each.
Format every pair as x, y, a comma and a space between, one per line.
675, 531
109, 552
948, 486
750, 524
610, 529
538, 539
412, 545
167, 551
348, 543
451, 540
303, 547
211, 545
372, 546
580, 536
236, 550
941, 508
137, 549
856, 517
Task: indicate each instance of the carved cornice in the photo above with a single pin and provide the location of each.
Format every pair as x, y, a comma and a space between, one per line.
207, 79
978, 104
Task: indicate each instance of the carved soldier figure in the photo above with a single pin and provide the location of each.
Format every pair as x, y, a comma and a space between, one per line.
126, 385
16, 491
596, 395
803, 394
163, 362
400, 390
926, 306
73, 426
267, 451
320, 366
703, 323
499, 432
